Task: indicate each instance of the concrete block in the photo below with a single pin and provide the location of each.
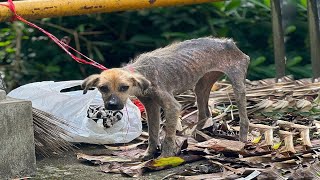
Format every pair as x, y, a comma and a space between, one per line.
17, 149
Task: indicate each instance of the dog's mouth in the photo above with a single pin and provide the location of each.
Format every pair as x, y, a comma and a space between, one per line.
114, 107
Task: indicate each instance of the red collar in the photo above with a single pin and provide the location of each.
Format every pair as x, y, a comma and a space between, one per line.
130, 68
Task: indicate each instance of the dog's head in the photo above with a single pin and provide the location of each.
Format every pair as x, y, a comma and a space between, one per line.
116, 85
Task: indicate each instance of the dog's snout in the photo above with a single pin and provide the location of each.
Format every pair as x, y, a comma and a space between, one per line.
112, 107
113, 103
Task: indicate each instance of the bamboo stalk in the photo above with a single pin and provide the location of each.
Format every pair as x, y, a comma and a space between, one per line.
55, 8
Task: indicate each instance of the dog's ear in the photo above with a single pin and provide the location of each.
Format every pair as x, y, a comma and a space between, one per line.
141, 82
90, 82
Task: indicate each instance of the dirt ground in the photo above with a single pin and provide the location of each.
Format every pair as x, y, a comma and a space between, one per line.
66, 166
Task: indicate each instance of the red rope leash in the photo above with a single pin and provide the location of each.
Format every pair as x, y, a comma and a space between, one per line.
60, 43
63, 45
138, 104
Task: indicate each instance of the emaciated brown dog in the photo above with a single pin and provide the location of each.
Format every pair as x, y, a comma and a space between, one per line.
155, 77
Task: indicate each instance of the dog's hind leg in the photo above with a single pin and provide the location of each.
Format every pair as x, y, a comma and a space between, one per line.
153, 118
237, 76
202, 91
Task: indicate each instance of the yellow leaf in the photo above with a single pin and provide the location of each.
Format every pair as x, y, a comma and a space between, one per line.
169, 161
214, 87
256, 140
276, 145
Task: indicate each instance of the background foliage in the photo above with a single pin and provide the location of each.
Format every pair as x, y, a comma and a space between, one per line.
27, 56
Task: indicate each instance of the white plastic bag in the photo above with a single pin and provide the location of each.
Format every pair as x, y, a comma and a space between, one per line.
73, 106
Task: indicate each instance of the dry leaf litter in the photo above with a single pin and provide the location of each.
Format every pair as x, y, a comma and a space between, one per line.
283, 139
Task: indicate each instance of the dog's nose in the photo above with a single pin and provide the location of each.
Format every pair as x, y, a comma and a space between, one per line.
113, 103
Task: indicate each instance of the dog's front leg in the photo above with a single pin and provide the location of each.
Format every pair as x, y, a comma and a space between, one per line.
172, 110
237, 77
153, 118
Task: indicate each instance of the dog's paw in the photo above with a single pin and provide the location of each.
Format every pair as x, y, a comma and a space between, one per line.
147, 156
243, 138
169, 148
205, 123
166, 154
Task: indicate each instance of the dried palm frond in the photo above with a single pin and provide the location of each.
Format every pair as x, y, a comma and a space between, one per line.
48, 133
284, 131
268, 101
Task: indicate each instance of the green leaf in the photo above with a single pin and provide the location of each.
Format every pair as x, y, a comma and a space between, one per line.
290, 29
258, 61
5, 43
277, 145
267, 3
25, 37
218, 21
304, 3
267, 71
301, 71
223, 32
45, 19
52, 69
232, 5
259, 4
10, 50
296, 60
81, 28
219, 5
256, 140
169, 161
3, 30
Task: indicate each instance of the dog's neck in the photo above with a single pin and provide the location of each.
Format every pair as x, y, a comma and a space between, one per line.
132, 68
129, 68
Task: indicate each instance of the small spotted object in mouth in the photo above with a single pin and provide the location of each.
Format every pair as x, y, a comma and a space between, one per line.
108, 117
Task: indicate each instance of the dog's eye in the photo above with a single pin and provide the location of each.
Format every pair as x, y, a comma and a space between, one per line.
104, 89
123, 88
